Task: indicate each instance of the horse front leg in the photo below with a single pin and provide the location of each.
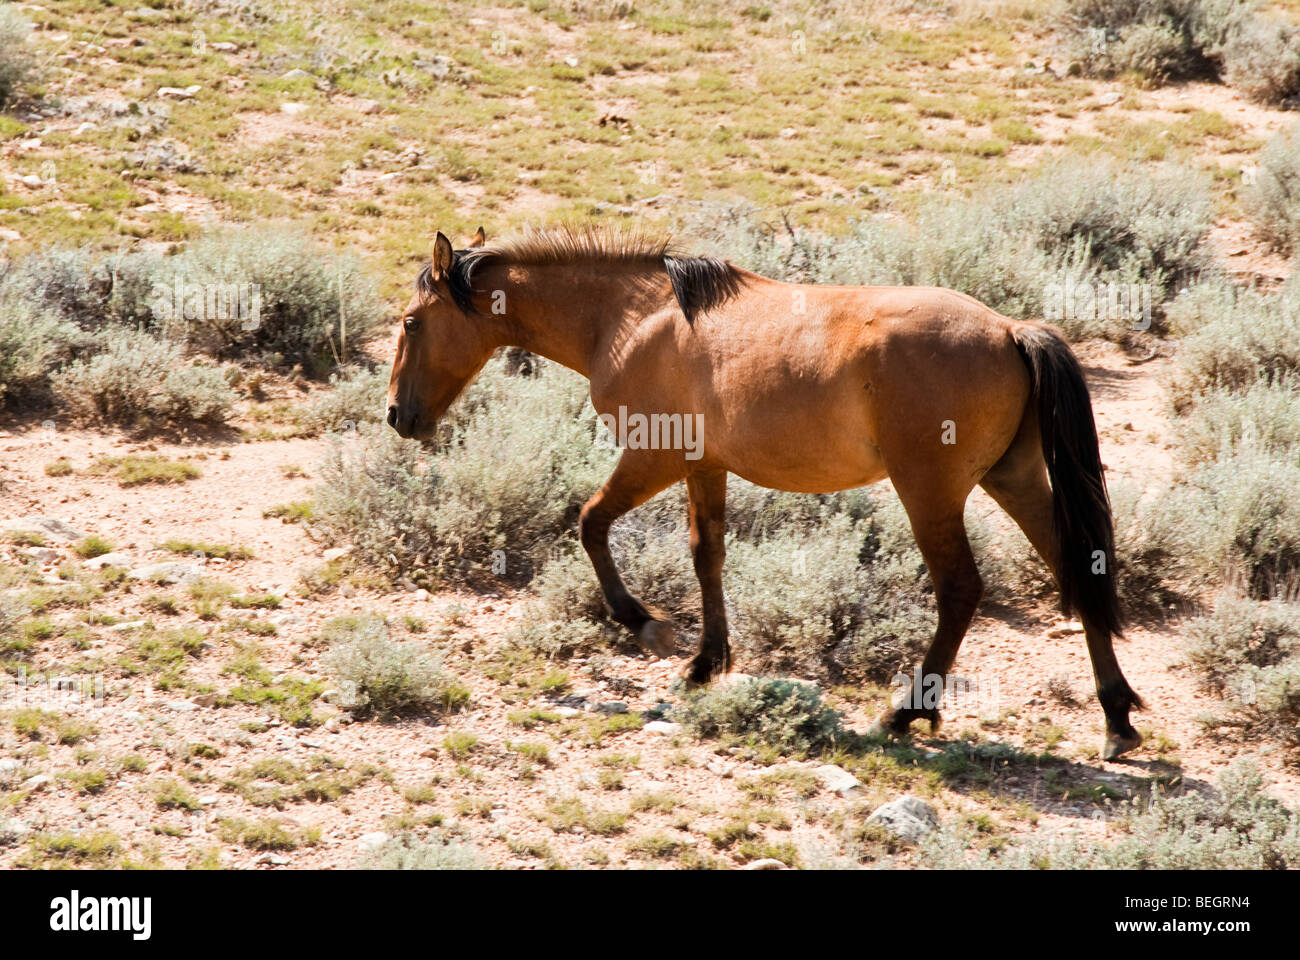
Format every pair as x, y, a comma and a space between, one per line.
707, 492
640, 474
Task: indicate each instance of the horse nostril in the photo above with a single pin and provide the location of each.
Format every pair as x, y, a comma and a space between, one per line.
392, 416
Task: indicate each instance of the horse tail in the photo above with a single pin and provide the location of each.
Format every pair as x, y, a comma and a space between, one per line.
1081, 512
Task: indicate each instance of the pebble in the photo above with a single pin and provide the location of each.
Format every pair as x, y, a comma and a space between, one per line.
767, 863
38, 781
107, 560
370, 841
663, 727
169, 571
177, 93
613, 706
839, 781
272, 858
566, 713
181, 706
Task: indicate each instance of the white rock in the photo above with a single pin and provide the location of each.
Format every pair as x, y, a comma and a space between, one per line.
169, 571
767, 863
38, 781
225, 46
908, 818
42, 555
370, 841
839, 781
9, 764
613, 706
1106, 99
107, 560
336, 553
369, 106
48, 525
296, 74
566, 713
293, 109
126, 626
182, 706
177, 93
664, 727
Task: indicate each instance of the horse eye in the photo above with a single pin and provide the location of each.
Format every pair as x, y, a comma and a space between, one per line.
411, 324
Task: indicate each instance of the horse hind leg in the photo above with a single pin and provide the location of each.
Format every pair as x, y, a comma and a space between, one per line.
1018, 484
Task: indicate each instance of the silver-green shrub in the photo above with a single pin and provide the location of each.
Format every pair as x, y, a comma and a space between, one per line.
376, 674
1273, 200
784, 714
406, 852
136, 377
1237, 827
16, 60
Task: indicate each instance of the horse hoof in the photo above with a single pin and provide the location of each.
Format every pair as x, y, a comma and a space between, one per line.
1119, 744
658, 637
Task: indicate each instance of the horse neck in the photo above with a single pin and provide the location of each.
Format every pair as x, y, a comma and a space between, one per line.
566, 312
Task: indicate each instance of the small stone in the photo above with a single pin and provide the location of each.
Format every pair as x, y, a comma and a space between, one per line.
767, 863
566, 713
126, 626
1066, 629
9, 765
169, 571
42, 555
182, 706
107, 560
272, 858
38, 781
336, 553
371, 841
908, 818
207, 801
1107, 99
369, 106
297, 74
177, 93
663, 727
611, 707
225, 46
293, 109
839, 781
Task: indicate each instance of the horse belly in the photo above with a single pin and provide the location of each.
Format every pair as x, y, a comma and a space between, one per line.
821, 455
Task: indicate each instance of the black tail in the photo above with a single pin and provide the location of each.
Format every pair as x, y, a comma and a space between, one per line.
1080, 504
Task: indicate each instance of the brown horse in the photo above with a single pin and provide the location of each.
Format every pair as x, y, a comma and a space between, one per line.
803, 388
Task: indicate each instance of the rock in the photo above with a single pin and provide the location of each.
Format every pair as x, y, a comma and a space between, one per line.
30, 180
369, 106
13, 831
372, 841
176, 93
1065, 629
566, 713
839, 781
38, 781
46, 525
294, 109
225, 46
908, 818
42, 555
273, 859
767, 863
9, 765
107, 560
1107, 99
663, 727
126, 626
182, 706
207, 801
169, 571
611, 707
335, 553
297, 74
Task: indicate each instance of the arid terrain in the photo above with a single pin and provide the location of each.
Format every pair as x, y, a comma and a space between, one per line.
192, 610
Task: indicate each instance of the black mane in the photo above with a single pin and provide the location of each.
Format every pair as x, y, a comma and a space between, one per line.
699, 283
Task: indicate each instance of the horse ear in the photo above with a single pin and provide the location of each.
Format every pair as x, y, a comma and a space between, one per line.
441, 257
480, 238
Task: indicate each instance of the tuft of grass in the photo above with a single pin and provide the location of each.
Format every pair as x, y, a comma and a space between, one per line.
134, 470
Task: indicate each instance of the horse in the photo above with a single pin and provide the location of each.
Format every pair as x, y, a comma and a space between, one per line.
805, 388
